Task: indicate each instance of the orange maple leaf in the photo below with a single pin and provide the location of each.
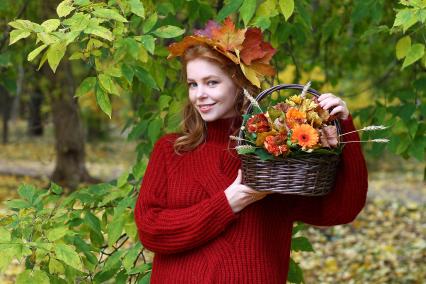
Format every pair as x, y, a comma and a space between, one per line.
228, 36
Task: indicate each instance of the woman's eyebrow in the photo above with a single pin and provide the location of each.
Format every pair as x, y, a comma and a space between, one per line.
205, 78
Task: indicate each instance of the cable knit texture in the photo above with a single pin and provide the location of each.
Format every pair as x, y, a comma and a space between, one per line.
183, 215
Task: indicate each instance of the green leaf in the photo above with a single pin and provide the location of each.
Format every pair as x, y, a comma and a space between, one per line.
149, 42
8, 253
113, 261
92, 221
47, 38
139, 169
149, 23
95, 29
109, 14
301, 244
56, 233
5, 235
164, 101
103, 101
247, 10
168, 31
297, 228
17, 204
68, 255
131, 256
78, 22
267, 9
51, 25
55, 266
115, 228
87, 86
27, 192
295, 273
228, 9
128, 73
65, 8
137, 8
405, 18
263, 154
145, 78
108, 84
33, 54
55, 53
16, 35
287, 8
154, 129
81, 2
143, 268
262, 22
138, 129
146, 279
122, 179
403, 46
30, 276
415, 53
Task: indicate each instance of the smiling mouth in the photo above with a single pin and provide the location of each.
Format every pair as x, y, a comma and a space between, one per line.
205, 107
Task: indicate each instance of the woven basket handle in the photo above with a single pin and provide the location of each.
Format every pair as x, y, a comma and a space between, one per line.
269, 91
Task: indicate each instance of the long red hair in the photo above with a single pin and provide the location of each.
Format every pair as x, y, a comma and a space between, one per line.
193, 127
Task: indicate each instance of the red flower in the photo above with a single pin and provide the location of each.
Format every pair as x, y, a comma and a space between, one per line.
276, 144
258, 123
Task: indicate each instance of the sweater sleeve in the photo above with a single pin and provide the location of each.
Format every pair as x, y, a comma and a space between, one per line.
348, 197
172, 230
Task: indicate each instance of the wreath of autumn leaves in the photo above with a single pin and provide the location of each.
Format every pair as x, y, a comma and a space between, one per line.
244, 47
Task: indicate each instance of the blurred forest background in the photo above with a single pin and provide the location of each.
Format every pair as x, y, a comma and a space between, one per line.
86, 90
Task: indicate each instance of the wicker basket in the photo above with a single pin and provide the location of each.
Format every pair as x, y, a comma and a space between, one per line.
311, 174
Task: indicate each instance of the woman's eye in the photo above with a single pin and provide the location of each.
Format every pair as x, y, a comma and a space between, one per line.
211, 83
192, 85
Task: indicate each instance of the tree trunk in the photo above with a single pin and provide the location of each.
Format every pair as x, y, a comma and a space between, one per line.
5, 106
35, 124
70, 168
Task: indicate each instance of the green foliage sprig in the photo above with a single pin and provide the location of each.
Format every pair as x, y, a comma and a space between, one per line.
87, 237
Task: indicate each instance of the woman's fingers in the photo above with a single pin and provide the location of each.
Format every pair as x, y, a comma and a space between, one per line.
330, 102
325, 96
335, 105
336, 110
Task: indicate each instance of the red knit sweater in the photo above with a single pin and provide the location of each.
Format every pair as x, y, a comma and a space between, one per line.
183, 215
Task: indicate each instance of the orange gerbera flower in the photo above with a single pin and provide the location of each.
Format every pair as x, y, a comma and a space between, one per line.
305, 135
295, 117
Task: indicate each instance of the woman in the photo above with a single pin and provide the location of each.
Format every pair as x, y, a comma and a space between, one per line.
203, 224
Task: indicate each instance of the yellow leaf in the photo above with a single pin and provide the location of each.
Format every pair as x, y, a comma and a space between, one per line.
250, 75
402, 47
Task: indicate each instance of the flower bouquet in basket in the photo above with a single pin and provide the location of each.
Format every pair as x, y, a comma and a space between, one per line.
292, 147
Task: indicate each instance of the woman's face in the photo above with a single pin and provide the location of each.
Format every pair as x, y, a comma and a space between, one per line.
211, 90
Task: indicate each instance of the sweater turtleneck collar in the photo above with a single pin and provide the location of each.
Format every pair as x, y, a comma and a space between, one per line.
218, 131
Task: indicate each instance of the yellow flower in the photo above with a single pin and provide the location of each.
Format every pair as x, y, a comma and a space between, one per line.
296, 99
305, 135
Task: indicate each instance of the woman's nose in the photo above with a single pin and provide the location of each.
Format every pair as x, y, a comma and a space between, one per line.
201, 92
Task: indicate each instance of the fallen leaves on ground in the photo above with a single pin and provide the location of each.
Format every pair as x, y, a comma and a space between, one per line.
385, 244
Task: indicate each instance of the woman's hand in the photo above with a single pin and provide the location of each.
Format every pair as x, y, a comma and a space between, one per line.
240, 195
337, 105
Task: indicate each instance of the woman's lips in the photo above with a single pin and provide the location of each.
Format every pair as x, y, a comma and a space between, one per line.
206, 107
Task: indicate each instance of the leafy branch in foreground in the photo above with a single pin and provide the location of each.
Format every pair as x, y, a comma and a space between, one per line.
87, 237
